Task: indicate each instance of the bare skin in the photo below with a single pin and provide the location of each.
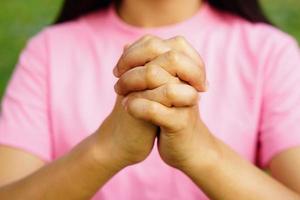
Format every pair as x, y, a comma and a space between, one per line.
147, 105
157, 13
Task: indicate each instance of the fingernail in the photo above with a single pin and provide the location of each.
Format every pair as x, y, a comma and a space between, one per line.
126, 46
116, 71
206, 85
116, 88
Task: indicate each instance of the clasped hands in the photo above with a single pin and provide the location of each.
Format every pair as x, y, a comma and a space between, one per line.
158, 93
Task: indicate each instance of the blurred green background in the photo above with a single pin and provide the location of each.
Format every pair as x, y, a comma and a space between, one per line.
19, 20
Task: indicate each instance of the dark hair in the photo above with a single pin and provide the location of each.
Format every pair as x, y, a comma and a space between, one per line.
249, 9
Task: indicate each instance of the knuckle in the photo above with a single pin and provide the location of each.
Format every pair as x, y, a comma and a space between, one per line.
180, 40
173, 56
170, 91
147, 37
152, 110
150, 74
152, 45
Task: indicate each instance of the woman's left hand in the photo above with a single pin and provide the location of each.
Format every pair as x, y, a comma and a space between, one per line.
161, 86
161, 80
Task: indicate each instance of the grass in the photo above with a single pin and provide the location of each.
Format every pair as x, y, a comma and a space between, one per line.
19, 20
284, 14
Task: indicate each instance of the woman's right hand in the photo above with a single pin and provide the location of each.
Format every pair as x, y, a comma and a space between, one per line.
125, 140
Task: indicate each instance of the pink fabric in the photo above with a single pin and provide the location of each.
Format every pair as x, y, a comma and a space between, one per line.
62, 89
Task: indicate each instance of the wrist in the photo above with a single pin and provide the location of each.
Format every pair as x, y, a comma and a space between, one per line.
100, 155
207, 154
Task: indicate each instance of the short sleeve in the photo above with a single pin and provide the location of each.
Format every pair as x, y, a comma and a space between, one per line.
24, 121
280, 116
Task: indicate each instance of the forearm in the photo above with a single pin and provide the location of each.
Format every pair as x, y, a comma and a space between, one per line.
77, 175
228, 177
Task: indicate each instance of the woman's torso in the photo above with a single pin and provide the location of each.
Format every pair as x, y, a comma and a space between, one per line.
82, 55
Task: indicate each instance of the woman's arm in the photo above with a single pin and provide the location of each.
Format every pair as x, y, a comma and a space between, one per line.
285, 167
11, 159
77, 175
120, 141
228, 176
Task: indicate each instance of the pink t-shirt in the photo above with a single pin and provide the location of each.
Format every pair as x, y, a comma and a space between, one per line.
62, 89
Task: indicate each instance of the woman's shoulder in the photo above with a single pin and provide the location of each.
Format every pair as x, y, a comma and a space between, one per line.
258, 38
256, 34
71, 33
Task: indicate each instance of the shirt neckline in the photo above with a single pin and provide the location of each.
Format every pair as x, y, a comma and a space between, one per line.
199, 17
